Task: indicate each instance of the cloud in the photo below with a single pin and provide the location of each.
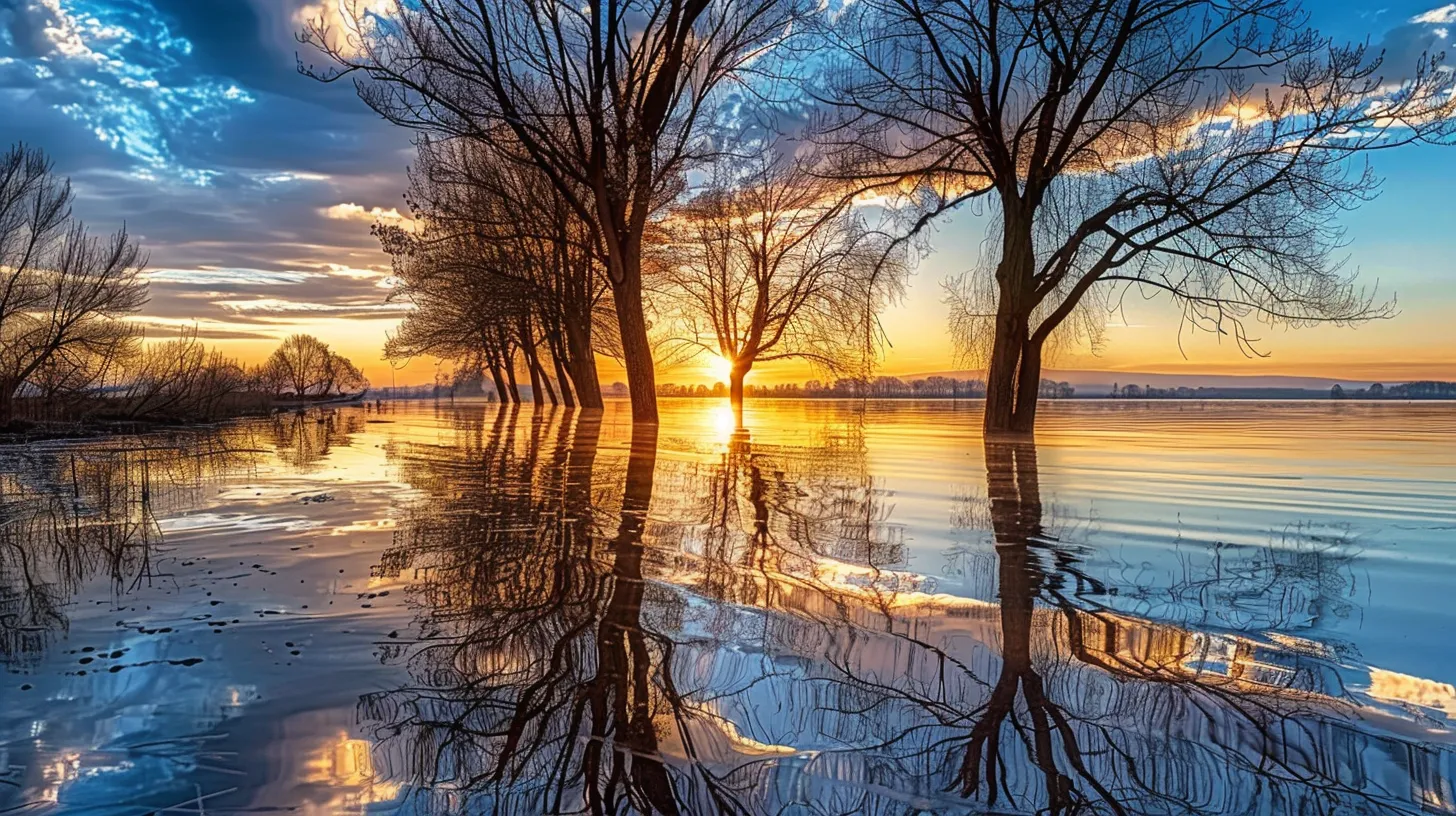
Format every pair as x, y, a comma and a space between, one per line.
212, 276
1437, 16
354, 212
118, 70
293, 308
287, 177
159, 328
189, 121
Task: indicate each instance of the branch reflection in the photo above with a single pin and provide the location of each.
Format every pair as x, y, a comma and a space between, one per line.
620, 626
71, 514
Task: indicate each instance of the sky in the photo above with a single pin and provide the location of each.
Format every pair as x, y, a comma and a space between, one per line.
253, 189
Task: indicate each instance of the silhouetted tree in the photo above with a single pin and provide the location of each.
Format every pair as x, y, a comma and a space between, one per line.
180, 379
305, 366
1195, 148
608, 100
63, 292
498, 264
770, 263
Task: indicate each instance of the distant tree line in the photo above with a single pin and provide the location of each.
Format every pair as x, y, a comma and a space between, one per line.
1407, 391
1420, 390
935, 387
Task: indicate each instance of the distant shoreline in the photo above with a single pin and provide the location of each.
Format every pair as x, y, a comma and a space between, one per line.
615, 398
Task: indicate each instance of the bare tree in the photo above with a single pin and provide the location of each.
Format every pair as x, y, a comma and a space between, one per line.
498, 263
301, 363
607, 99
180, 379
305, 366
63, 293
1195, 148
772, 263
341, 376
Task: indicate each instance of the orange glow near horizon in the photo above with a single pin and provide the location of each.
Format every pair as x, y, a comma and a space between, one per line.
1143, 337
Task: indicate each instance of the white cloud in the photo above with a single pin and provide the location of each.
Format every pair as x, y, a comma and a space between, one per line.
354, 212
279, 306
1437, 16
215, 276
354, 273
289, 177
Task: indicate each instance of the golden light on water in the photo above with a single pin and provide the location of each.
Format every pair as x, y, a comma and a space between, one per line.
347, 764
724, 422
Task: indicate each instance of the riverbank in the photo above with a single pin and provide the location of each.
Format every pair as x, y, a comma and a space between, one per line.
103, 423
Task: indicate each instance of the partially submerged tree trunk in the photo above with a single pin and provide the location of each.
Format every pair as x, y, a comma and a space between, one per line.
1007, 405
540, 381
581, 363
636, 348
557, 355
567, 398
499, 380
735, 388
510, 367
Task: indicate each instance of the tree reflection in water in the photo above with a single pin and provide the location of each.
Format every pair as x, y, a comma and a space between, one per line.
743, 634
73, 513
543, 684
303, 438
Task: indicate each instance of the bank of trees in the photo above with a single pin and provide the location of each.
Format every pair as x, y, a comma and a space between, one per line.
1193, 149
503, 276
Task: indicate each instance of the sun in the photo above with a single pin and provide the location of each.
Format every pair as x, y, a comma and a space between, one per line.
718, 367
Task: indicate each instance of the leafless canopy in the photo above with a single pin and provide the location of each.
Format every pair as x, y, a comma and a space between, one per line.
63, 292
770, 262
305, 366
497, 264
607, 99
1197, 148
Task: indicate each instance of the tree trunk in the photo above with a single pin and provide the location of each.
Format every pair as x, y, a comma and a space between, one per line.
499, 380
636, 349
1014, 279
735, 389
581, 362
545, 380
535, 379
1028, 388
510, 368
557, 354
7, 403
1001, 390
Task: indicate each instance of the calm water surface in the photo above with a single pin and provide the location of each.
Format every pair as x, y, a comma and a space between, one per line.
1166, 608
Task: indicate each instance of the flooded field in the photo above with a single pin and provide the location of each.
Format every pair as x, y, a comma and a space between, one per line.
1158, 608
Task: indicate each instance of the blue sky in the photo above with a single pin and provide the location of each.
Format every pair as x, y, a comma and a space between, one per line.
253, 187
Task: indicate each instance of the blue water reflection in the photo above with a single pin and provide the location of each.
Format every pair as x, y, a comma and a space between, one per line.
844, 609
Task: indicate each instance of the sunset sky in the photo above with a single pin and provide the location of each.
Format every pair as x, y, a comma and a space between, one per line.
253, 188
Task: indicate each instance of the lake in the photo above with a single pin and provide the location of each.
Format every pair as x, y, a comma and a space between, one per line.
419, 608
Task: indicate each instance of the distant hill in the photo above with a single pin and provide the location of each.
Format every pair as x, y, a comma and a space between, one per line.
1093, 383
